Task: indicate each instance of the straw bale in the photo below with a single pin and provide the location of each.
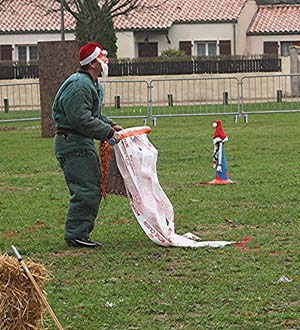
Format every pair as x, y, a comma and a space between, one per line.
20, 307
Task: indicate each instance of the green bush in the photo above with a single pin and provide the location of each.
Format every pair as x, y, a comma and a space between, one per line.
172, 53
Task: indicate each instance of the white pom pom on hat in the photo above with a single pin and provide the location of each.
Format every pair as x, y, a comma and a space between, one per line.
219, 133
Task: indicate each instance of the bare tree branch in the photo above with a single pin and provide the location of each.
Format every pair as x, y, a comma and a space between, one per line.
94, 18
118, 7
115, 7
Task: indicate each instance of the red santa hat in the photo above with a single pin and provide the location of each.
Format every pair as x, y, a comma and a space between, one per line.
219, 133
90, 52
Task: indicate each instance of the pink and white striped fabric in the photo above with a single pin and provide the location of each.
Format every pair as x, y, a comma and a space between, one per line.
136, 159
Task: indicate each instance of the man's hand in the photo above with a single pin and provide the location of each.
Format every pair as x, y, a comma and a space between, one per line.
117, 127
116, 137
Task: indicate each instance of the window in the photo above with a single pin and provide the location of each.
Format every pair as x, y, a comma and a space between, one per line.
22, 53
208, 48
201, 49
212, 48
285, 47
27, 53
32, 53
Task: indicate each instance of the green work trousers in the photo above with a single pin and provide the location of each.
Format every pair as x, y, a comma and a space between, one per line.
83, 178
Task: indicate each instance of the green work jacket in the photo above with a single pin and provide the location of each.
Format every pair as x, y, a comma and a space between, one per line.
77, 106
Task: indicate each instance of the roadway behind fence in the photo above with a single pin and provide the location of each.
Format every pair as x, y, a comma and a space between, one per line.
165, 97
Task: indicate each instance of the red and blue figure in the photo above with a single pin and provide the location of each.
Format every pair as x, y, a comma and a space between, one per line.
219, 159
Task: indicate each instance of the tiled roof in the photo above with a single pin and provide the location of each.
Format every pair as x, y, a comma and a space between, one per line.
280, 19
26, 16
161, 14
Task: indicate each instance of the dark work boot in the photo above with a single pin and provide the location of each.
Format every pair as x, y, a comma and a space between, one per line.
83, 242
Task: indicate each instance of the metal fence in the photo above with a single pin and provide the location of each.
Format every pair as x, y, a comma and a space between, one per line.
204, 96
270, 94
156, 98
123, 99
20, 97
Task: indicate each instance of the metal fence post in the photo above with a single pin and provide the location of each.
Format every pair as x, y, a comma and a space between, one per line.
170, 100
279, 95
149, 103
225, 98
240, 99
117, 102
6, 105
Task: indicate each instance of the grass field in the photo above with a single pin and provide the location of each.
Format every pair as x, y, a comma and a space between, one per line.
134, 284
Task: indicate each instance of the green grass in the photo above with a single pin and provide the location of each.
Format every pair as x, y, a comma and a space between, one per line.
158, 288
270, 106
19, 114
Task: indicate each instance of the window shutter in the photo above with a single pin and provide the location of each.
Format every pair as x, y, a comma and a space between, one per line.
149, 49
186, 46
271, 47
225, 47
6, 52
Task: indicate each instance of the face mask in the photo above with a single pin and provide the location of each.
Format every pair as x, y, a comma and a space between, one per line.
104, 69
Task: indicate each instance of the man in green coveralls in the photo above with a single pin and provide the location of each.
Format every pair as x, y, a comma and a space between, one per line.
77, 114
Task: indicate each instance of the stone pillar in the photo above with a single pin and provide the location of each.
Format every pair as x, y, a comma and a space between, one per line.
295, 68
57, 60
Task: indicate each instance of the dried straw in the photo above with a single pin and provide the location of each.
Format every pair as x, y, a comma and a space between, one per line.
112, 181
20, 307
104, 155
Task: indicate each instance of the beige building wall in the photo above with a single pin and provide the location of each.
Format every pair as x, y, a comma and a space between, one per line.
256, 43
199, 32
125, 44
285, 65
242, 25
161, 39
